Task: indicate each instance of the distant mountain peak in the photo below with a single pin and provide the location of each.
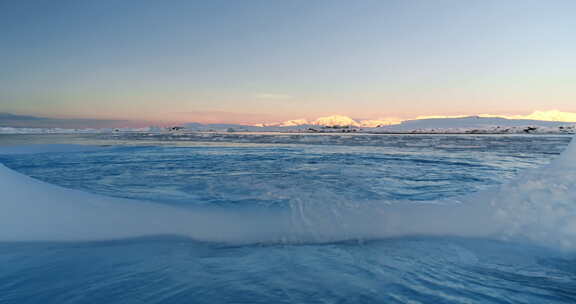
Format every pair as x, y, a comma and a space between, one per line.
332, 120
421, 122
335, 120
294, 123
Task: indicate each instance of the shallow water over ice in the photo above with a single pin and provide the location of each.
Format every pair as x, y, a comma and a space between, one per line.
325, 172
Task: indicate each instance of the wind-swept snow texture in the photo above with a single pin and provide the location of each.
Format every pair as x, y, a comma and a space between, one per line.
539, 205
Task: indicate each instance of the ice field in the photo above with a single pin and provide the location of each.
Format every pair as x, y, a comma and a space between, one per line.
276, 218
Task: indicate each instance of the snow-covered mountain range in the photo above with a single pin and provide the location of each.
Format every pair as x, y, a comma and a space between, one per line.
340, 123
344, 124
333, 120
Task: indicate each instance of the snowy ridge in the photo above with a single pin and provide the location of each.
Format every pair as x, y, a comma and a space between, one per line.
459, 125
343, 124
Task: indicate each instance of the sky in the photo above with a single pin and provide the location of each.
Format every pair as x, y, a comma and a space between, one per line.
261, 61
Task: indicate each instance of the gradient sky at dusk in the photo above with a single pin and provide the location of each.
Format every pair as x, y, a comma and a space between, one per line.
263, 61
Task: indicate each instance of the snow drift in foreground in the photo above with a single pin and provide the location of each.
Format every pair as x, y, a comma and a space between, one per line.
539, 206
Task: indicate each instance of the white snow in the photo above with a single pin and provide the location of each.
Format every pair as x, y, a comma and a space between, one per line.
335, 120
463, 124
294, 123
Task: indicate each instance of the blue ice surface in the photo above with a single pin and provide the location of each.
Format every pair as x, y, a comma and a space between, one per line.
263, 171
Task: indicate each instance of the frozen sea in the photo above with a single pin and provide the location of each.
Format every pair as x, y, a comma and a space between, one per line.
313, 176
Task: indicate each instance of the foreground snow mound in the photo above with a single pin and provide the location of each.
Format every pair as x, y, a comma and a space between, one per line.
31, 210
539, 206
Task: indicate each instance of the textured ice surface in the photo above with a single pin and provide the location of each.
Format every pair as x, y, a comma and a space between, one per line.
536, 205
325, 198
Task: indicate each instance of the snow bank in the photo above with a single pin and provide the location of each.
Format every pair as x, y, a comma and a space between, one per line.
32, 210
539, 206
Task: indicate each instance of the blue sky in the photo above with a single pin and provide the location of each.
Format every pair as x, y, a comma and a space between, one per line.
253, 61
